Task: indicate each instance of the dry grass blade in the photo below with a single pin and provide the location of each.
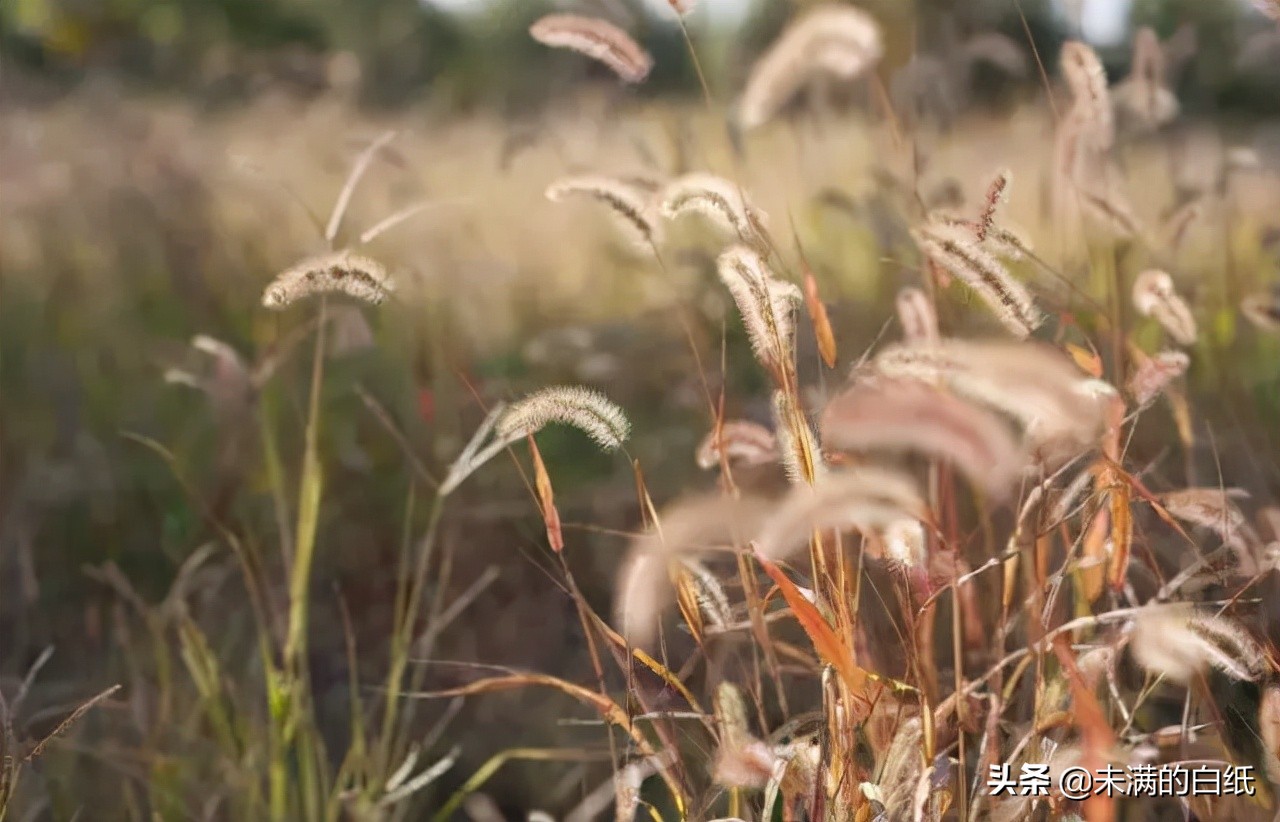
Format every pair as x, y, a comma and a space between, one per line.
342, 272
907, 415
597, 39
589, 411
608, 709
630, 205
66, 724
828, 39
358, 169
401, 787
1154, 295
1179, 644
1110, 211
1178, 225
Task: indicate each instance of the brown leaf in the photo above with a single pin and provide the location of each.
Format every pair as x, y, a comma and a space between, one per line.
1121, 525
546, 499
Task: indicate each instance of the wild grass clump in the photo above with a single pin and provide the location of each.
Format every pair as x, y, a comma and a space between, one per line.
1013, 507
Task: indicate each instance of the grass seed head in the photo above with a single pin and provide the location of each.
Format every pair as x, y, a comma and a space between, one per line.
957, 251
630, 204
721, 200
767, 304
829, 39
1154, 295
597, 39
340, 272
741, 441
589, 411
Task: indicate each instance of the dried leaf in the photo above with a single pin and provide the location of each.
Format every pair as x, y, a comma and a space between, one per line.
546, 499
821, 324
830, 647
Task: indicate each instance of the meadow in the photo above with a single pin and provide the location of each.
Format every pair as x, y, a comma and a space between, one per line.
801, 456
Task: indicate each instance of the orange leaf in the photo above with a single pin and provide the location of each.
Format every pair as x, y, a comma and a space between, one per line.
1089, 361
829, 646
546, 499
821, 323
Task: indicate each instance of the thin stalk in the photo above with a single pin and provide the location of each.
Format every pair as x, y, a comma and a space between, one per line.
290, 692
402, 636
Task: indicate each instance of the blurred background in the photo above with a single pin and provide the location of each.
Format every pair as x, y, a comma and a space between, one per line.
161, 160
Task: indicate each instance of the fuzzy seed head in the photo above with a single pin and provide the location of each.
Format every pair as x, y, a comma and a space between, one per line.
716, 198
1155, 374
957, 252
629, 203
831, 39
597, 39
341, 272
767, 304
1154, 295
589, 411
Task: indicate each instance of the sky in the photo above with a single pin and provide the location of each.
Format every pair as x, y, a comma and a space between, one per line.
1103, 22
